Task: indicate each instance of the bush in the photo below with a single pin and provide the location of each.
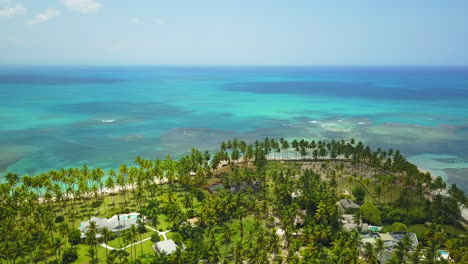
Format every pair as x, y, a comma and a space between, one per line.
413, 216
371, 213
177, 238
70, 255
155, 237
399, 227
96, 203
199, 194
74, 237
359, 193
59, 219
141, 229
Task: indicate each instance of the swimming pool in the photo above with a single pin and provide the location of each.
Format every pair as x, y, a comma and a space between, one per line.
129, 216
444, 253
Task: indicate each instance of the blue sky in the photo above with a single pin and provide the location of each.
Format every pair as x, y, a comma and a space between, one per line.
234, 32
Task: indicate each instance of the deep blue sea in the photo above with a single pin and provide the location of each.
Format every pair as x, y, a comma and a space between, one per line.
52, 117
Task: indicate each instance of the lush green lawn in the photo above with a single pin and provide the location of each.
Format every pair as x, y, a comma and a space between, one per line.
450, 230
118, 242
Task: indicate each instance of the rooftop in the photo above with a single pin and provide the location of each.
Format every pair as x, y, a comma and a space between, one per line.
390, 239
116, 224
348, 203
167, 246
348, 223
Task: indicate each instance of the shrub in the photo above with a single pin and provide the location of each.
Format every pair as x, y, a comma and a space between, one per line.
96, 203
74, 237
177, 238
359, 193
371, 213
59, 219
199, 194
155, 237
399, 227
70, 255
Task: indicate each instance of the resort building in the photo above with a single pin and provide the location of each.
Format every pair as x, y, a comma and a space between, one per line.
116, 224
165, 247
347, 204
193, 221
390, 240
349, 224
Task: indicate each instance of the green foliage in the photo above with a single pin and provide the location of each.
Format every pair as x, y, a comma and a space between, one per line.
59, 219
242, 226
70, 255
371, 213
155, 237
415, 215
359, 194
97, 203
199, 194
351, 210
399, 227
74, 237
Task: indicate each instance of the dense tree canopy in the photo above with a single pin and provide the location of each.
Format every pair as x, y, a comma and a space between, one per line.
277, 201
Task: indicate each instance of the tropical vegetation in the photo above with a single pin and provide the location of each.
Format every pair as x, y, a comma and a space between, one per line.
252, 217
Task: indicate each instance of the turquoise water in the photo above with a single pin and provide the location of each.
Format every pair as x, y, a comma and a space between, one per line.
51, 117
443, 252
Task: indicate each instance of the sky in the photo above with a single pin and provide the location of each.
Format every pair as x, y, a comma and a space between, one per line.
234, 32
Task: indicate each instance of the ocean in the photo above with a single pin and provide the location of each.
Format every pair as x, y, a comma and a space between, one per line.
53, 117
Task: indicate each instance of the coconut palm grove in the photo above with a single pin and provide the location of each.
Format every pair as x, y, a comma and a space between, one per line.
268, 201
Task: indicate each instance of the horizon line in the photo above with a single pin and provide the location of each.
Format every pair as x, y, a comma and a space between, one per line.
236, 65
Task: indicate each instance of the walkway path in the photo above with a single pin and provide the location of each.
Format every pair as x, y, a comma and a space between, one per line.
104, 245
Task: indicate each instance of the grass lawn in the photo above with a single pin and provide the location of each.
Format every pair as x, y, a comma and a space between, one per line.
118, 242
450, 230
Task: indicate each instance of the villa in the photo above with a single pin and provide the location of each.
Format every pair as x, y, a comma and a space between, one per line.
390, 240
165, 247
349, 224
116, 224
348, 203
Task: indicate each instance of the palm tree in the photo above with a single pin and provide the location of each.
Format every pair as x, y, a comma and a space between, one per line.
357, 218
110, 183
57, 245
120, 254
226, 235
133, 237
379, 248
369, 253
92, 253
178, 257
238, 251
106, 236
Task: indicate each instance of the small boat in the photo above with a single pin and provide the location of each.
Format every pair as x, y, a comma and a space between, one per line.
108, 121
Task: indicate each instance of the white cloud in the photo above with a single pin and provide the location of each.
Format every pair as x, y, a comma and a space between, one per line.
6, 2
83, 6
9, 11
45, 16
160, 21
134, 20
